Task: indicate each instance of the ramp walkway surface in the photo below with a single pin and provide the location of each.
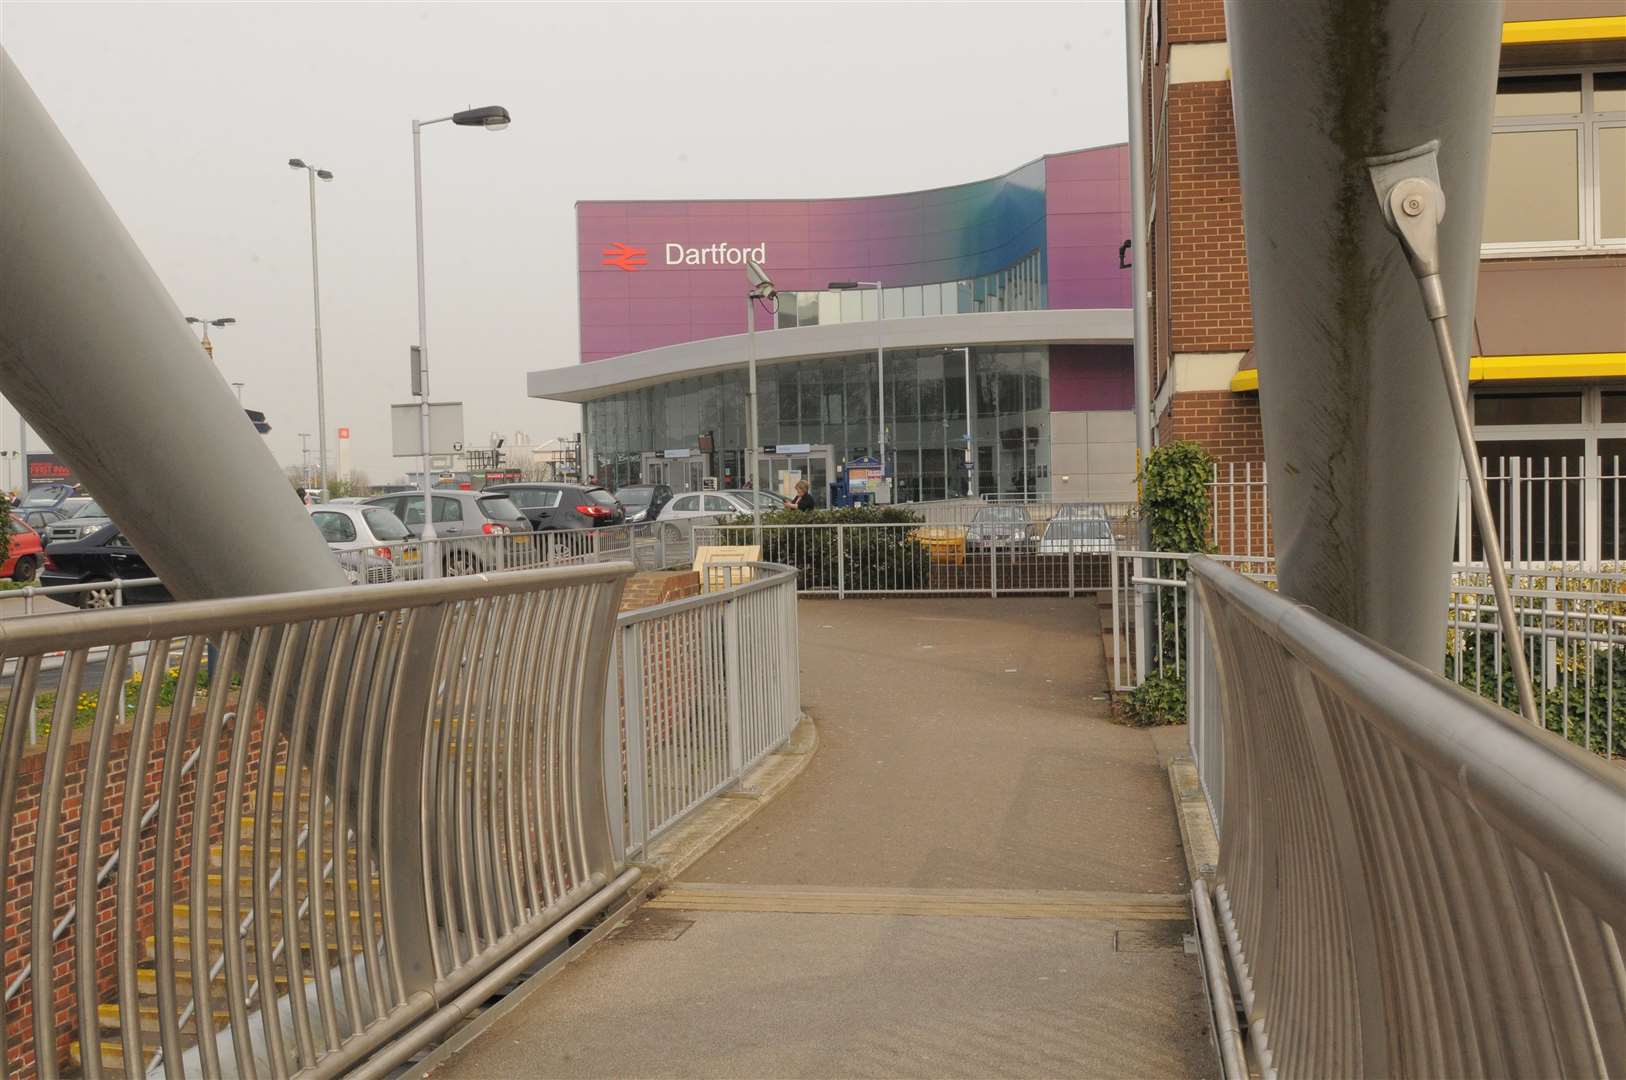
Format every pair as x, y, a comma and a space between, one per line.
978, 875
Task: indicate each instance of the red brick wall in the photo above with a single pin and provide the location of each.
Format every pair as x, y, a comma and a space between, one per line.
1209, 309
1227, 425
18, 884
1194, 20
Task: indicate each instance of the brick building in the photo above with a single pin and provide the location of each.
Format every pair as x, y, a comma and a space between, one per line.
1548, 371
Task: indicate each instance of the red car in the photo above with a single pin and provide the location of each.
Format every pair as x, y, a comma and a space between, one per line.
27, 554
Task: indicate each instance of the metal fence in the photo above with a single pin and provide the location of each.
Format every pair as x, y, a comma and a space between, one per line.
1411, 881
701, 689
654, 545
1573, 630
435, 748
994, 559
1566, 509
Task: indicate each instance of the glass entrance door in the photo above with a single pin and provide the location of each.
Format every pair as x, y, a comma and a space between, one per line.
779, 473
681, 474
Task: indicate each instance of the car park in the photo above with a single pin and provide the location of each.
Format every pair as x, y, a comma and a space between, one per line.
563, 506
1003, 528
26, 553
369, 541
643, 502
97, 560
479, 530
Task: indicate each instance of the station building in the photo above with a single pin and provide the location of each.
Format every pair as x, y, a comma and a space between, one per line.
1026, 270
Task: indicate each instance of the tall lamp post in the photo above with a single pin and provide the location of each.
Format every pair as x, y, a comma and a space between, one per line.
314, 174
762, 288
239, 388
970, 459
209, 346
880, 372
492, 118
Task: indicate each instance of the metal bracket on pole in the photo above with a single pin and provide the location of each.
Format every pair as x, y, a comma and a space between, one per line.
1408, 190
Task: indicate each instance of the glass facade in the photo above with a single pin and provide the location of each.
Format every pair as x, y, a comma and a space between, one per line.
832, 401
1019, 287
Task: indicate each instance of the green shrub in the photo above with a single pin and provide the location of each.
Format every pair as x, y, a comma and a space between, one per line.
1158, 701
1476, 670
1174, 497
891, 558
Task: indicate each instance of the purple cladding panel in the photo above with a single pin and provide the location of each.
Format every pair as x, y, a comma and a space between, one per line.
1092, 377
660, 273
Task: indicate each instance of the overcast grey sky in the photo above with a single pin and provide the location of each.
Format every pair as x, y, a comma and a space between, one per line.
186, 114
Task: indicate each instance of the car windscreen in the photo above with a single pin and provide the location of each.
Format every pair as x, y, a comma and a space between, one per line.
1001, 514
602, 497
1078, 529
385, 525
41, 497
92, 509
499, 508
635, 498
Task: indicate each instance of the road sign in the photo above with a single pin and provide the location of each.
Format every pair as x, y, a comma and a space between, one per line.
445, 428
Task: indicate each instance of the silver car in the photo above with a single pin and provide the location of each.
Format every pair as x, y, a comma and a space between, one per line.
481, 530
84, 520
368, 541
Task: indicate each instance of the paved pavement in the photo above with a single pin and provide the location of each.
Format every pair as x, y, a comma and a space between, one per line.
978, 874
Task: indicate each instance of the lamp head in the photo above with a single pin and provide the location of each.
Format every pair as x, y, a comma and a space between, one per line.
761, 284
323, 174
296, 163
490, 117
221, 322
193, 319
839, 285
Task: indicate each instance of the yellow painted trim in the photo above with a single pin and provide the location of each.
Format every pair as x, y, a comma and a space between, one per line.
1507, 368
1556, 366
1551, 31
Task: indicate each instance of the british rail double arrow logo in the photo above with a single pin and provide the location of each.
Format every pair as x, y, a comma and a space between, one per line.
627, 258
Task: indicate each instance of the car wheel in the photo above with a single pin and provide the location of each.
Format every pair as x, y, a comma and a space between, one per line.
27, 566
461, 564
94, 599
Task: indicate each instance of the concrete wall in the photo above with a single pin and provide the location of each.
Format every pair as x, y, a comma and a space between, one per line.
1092, 456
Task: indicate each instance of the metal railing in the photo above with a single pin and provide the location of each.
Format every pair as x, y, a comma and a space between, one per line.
94, 594
441, 744
1573, 631
1411, 880
654, 545
1002, 558
701, 689
1548, 510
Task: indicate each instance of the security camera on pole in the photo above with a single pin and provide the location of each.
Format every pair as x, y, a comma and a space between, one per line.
762, 288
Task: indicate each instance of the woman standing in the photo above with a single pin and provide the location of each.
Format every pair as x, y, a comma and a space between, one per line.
803, 501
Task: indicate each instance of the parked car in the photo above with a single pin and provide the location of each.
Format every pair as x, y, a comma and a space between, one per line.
39, 520
482, 529
644, 502
1002, 527
98, 558
46, 497
83, 521
368, 540
26, 554
563, 506
1077, 536
704, 504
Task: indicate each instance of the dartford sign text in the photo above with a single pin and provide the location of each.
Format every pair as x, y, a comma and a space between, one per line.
714, 255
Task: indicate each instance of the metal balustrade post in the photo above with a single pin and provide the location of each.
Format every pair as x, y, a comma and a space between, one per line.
632, 690
841, 562
732, 688
614, 748
597, 838
402, 815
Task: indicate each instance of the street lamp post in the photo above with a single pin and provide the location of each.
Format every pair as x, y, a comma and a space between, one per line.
239, 388
492, 118
970, 459
208, 346
304, 466
762, 288
880, 373
314, 174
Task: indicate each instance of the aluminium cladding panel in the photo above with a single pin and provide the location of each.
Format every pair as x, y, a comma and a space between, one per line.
1356, 421
95, 354
654, 274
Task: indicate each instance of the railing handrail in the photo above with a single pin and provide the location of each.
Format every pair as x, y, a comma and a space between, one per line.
771, 574
1560, 805
110, 626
